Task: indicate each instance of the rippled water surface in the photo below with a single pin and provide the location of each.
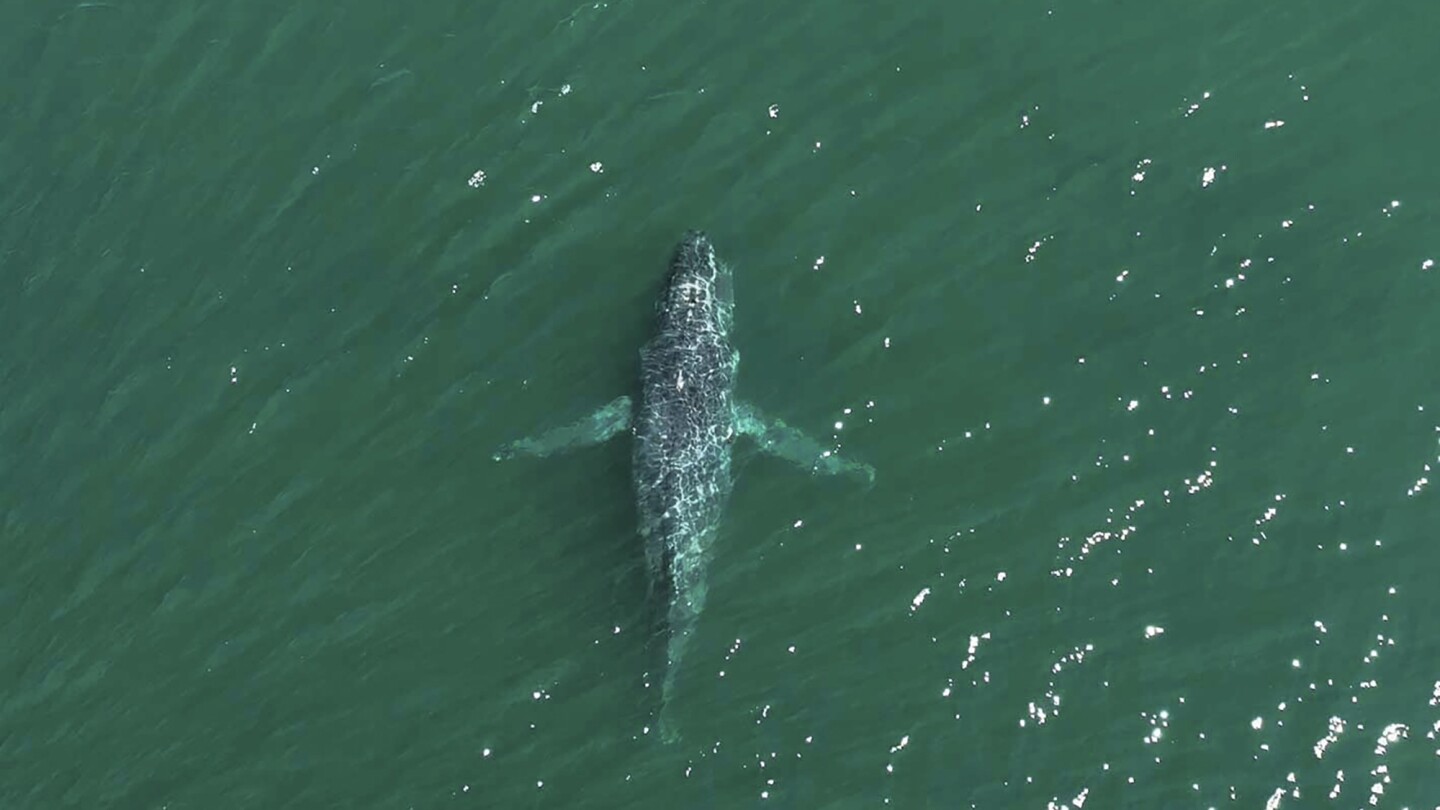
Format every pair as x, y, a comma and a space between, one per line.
1130, 304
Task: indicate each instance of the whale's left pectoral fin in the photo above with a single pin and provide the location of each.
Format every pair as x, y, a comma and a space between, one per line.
599, 426
779, 439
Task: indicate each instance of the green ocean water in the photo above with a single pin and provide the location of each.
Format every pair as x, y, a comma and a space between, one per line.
1130, 304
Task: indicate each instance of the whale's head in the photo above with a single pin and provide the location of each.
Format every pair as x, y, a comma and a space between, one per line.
699, 283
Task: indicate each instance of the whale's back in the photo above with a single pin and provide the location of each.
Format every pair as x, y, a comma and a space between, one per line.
684, 425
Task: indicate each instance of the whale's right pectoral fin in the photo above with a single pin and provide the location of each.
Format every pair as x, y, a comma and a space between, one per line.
779, 439
599, 426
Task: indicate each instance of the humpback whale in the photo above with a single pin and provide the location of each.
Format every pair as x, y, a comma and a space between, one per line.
684, 429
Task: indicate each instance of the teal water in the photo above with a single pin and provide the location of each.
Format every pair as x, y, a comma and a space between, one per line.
1148, 378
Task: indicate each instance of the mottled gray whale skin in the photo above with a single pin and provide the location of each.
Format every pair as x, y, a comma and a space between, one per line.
684, 429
